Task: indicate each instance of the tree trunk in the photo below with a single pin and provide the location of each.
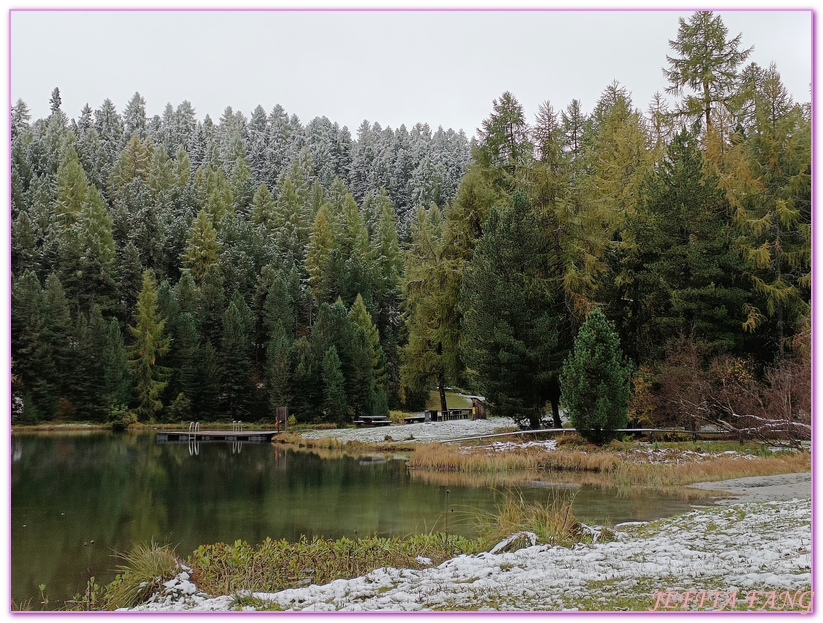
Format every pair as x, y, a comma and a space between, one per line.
554, 399
441, 382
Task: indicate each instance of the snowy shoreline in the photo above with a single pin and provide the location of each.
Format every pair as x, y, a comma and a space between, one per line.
723, 552
423, 432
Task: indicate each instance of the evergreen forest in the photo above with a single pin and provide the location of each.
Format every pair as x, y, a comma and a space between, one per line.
169, 268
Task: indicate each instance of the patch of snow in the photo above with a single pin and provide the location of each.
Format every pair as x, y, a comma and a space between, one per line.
760, 546
422, 432
531, 536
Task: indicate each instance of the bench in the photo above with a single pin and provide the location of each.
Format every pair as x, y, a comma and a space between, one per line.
456, 414
373, 420
415, 419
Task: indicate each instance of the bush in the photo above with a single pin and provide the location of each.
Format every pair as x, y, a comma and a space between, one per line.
121, 418
595, 382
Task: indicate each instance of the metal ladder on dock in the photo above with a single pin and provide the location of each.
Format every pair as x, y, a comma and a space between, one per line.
194, 445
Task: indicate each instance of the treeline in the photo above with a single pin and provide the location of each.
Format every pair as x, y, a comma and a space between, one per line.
174, 267
177, 267
689, 228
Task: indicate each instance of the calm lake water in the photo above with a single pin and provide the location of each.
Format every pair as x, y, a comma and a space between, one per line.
77, 499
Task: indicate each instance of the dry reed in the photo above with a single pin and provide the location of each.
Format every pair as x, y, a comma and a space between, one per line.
721, 468
552, 522
624, 470
441, 457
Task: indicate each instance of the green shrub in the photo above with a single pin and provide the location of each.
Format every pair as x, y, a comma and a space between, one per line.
121, 418
223, 569
180, 409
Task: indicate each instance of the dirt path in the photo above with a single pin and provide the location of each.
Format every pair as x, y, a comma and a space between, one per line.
762, 488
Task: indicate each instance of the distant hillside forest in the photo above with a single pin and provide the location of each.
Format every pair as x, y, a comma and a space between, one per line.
174, 269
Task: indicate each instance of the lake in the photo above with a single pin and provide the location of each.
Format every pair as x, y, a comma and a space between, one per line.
79, 498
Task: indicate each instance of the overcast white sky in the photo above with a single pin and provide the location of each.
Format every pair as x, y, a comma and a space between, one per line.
393, 67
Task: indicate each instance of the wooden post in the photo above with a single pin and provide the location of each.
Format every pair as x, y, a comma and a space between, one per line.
281, 418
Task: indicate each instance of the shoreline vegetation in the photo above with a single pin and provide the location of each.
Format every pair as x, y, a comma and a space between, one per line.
241, 569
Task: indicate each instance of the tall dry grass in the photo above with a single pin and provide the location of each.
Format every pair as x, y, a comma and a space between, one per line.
445, 458
144, 570
621, 469
721, 468
442, 457
553, 521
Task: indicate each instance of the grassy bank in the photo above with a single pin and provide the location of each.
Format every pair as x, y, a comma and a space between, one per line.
240, 569
223, 569
678, 466
299, 442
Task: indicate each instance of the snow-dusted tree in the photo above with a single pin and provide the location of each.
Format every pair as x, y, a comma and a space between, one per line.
134, 118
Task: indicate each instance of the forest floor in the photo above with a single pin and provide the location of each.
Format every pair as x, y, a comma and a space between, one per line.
751, 553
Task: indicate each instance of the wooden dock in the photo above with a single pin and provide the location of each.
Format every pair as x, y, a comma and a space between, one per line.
250, 436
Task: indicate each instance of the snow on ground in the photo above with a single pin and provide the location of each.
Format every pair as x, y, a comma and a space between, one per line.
762, 488
726, 552
423, 432
427, 432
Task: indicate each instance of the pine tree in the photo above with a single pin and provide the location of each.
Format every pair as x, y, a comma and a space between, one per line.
59, 332
24, 250
604, 182
776, 219
110, 130
32, 350
202, 248
278, 306
685, 277
72, 189
595, 381
187, 347
307, 376
279, 365
706, 64
89, 273
213, 305
82, 375
321, 242
149, 345
133, 163
235, 357
511, 321
131, 275
115, 380
134, 117
432, 337
388, 266
334, 391
504, 142
376, 402
262, 209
